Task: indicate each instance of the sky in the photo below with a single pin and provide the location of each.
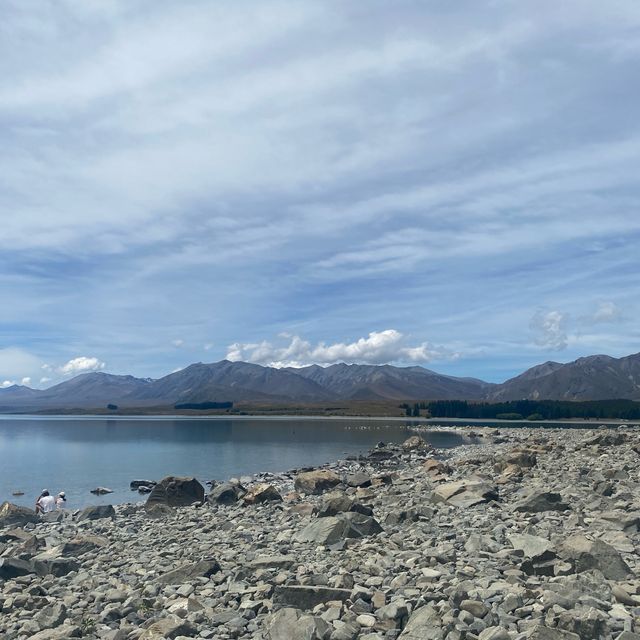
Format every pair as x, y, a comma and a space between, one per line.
445, 184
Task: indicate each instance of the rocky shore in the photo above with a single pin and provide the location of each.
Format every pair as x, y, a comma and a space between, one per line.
526, 534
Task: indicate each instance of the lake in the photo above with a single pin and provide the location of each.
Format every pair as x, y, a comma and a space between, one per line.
78, 453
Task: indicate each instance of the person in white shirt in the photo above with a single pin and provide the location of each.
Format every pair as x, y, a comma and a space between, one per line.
45, 502
61, 500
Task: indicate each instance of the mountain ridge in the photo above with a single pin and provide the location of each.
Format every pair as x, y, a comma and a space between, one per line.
597, 377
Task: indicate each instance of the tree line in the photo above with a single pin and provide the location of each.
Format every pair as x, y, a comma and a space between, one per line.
526, 409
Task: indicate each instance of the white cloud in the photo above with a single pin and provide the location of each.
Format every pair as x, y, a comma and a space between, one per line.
26, 381
549, 327
7, 383
44, 380
379, 347
607, 311
177, 343
208, 346
81, 364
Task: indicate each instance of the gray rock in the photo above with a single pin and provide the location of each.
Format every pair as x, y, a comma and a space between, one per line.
15, 515
585, 554
424, 624
51, 616
539, 501
335, 528
175, 491
202, 569
170, 627
13, 567
540, 632
260, 493
306, 597
316, 482
97, 512
225, 493
465, 493
358, 479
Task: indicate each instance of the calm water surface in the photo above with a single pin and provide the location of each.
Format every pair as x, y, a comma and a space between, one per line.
76, 454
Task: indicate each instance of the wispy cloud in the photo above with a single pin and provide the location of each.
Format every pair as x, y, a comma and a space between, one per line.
225, 171
550, 329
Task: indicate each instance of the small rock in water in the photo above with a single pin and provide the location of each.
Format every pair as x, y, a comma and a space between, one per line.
101, 491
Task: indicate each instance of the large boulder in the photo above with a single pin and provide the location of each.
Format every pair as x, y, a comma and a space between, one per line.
202, 569
262, 492
14, 567
175, 491
225, 493
332, 529
97, 512
316, 482
466, 492
12, 515
585, 555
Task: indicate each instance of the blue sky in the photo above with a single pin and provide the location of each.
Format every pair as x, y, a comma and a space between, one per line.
447, 184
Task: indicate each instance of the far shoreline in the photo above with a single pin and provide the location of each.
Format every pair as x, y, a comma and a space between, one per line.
441, 422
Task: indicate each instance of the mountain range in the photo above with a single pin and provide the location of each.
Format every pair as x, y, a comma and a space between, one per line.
597, 377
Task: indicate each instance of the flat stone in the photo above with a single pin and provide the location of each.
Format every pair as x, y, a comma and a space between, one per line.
307, 597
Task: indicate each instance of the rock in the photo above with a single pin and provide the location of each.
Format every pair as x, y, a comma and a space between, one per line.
15, 515
101, 491
51, 616
494, 633
307, 597
56, 566
465, 493
225, 493
97, 512
436, 469
424, 624
262, 492
143, 488
540, 632
539, 501
283, 625
335, 528
316, 482
335, 503
202, 569
585, 554
63, 632
533, 547
159, 511
358, 479
415, 442
170, 627
13, 567
475, 608
175, 491
136, 484
82, 544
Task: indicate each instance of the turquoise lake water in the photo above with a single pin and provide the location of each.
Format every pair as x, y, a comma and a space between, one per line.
75, 454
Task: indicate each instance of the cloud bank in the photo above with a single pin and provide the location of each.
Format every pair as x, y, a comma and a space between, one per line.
81, 364
379, 347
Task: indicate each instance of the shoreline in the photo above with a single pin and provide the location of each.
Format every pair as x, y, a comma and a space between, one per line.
593, 423
531, 534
